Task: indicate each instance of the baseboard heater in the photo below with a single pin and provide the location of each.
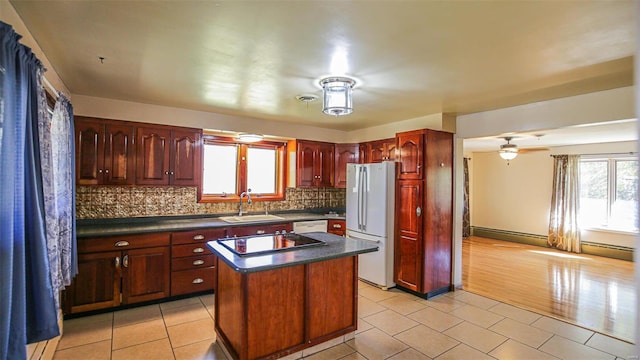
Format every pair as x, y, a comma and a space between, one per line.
605, 250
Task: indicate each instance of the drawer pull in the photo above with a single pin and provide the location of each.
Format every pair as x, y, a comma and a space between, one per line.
197, 281
260, 232
198, 250
198, 237
337, 226
198, 262
122, 243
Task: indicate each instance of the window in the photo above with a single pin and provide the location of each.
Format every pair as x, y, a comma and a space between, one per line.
230, 168
609, 193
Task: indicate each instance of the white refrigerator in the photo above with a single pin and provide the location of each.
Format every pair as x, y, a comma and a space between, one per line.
370, 216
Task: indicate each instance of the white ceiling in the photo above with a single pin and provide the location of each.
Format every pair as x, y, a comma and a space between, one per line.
410, 58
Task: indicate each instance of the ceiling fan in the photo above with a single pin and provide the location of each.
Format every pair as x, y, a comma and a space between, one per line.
509, 151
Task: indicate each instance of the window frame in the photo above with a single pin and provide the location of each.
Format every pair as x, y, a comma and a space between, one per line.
241, 169
612, 177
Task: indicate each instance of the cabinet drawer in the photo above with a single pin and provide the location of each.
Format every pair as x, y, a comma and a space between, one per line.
193, 262
178, 251
190, 281
125, 242
195, 236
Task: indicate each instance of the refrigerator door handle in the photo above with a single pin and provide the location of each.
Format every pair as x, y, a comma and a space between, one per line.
359, 197
365, 195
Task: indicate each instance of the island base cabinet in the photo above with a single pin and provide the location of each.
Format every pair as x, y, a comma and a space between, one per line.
273, 313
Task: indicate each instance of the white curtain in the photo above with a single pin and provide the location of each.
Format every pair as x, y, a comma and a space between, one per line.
56, 153
564, 233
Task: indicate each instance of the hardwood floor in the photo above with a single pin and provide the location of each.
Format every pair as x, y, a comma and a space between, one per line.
590, 291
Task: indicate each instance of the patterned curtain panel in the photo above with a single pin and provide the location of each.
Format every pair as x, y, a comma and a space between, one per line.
564, 233
466, 217
27, 304
56, 154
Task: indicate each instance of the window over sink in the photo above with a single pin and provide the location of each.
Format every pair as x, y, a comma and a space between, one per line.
231, 168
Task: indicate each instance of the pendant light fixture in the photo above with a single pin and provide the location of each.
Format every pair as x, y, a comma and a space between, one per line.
508, 151
337, 95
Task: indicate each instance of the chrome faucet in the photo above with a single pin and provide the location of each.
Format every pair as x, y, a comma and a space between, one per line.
248, 193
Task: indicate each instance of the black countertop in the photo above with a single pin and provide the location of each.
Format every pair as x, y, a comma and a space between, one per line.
128, 226
336, 247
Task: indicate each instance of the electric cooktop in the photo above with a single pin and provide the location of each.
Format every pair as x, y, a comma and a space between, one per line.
265, 244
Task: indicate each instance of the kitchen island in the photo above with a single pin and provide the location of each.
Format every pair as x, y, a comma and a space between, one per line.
274, 304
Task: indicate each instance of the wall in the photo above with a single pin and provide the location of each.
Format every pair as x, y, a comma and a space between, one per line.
97, 202
517, 197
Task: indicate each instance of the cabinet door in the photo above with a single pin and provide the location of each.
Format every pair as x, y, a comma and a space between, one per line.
390, 152
410, 155
305, 174
145, 274
324, 165
408, 246
153, 156
97, 285
376, 152
89, 151
344, 154
259, 229
186, 157
119, 155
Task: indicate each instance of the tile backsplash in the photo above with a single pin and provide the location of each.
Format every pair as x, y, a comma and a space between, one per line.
97, 202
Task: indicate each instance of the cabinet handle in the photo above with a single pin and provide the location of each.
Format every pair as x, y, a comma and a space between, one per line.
125, 261
260, 232
198, 250
122, 243
418, 211
418, 167
198, 237
198, 262
106, 171
100, 171
117, 262
337, 226
171, 173
166, 172
197, 281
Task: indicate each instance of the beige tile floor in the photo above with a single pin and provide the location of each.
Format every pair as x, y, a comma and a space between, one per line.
391, 325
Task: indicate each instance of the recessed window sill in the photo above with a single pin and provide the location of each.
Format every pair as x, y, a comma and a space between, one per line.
613, 231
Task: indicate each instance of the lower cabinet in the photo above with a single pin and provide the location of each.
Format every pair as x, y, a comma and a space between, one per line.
193, 266
119, 270
337, 227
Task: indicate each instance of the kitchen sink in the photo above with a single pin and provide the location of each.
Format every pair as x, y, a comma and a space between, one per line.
249, 218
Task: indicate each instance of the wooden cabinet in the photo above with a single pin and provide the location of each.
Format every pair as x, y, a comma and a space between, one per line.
424, 197
119, 270
410, 155
168, 156
380, 150
344, 154
337, 226
105, 152
193, 265
314, 164
259, 229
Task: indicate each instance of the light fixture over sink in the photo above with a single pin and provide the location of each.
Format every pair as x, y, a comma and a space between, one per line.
337, 95
247, 137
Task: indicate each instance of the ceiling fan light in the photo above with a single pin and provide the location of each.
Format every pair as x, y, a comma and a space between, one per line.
247, 137
508, 151
337, 95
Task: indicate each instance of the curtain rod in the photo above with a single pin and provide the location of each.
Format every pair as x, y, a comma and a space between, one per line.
601, 154
48, 84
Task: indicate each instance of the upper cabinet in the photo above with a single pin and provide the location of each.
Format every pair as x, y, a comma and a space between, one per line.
344, 154
380, 150
168, 156
113, 152
105, 152
410, 155
315, 164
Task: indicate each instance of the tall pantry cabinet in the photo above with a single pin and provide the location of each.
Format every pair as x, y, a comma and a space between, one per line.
424, 201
